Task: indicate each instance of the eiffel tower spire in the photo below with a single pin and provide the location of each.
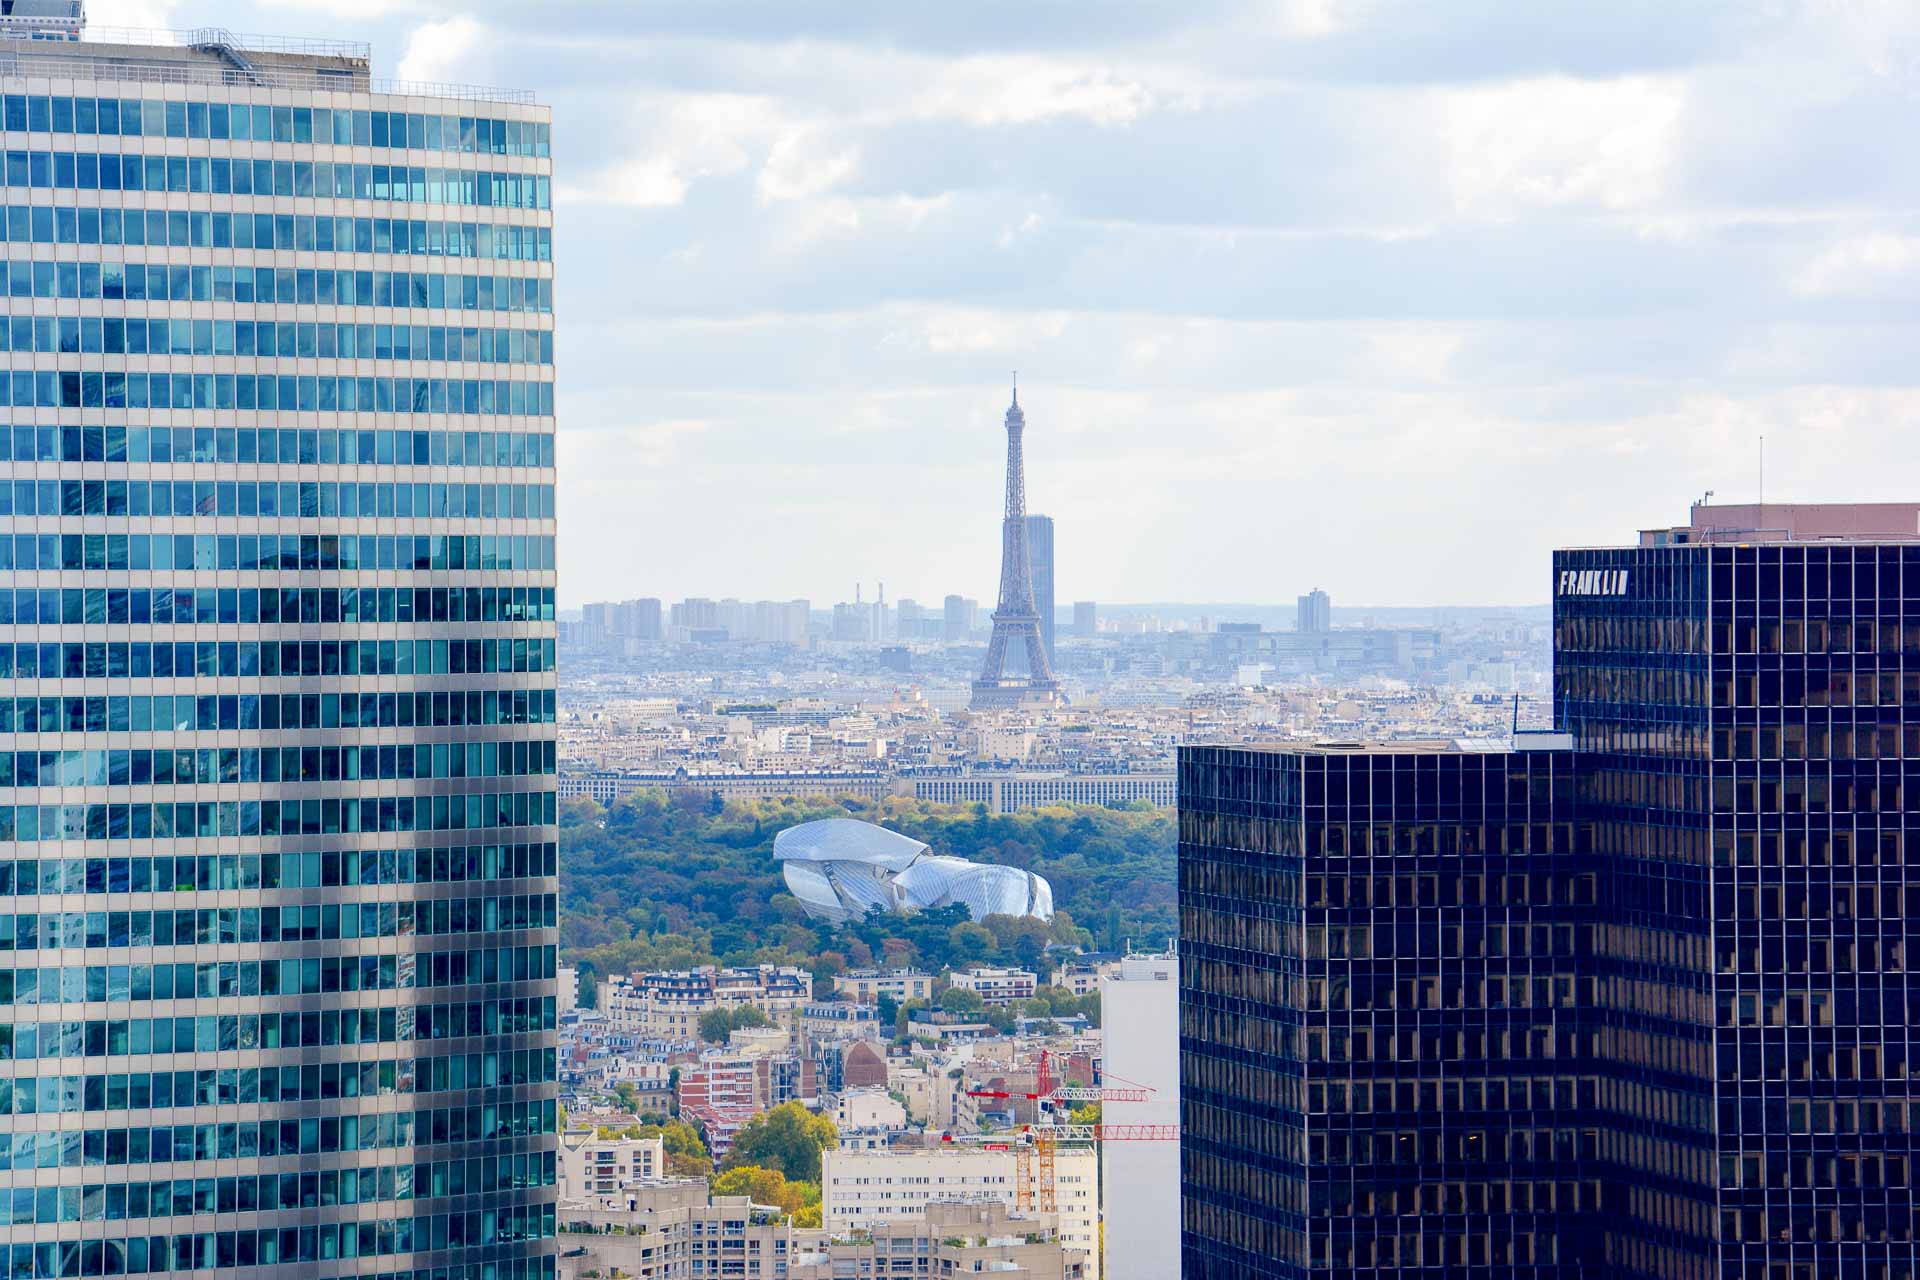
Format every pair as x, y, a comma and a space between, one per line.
1016, 619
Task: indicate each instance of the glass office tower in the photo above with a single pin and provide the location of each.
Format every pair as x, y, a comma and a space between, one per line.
1664, 1030
277, 754
1381, 984
1040, 569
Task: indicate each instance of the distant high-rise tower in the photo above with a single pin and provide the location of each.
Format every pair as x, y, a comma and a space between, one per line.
1015, 619
1314, 612
1040, 568
956, 619
1085, 618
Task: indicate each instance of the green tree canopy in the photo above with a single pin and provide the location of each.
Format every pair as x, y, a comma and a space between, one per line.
717, 1024
798, 1199
659, 883
788, 1138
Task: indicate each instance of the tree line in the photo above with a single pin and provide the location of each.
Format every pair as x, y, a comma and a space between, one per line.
669, 881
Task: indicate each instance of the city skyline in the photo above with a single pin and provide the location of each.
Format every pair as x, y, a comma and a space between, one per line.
1502, 250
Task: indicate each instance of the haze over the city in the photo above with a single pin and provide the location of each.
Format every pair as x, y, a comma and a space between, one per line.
1347, 292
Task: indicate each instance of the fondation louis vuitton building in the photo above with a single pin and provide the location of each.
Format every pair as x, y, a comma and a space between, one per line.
840, 869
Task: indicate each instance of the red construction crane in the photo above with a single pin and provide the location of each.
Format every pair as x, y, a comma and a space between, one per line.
1046, 1089
1033, 1146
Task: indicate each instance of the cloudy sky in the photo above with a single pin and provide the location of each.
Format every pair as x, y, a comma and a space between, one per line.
1387, 297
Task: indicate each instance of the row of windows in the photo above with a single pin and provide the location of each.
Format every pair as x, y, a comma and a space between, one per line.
102, 1038
304, 447
467, 812
209, 926
283, 554
97, 660
116, 1202
212, 712
56, 1149
210, 765
134, 282
183, 606
300, 1246
111, 389
289, 499
230, 1033
192, 1089
209, 979
220, 175
239, 122
211, 873
294, 232
95, 336
305, 1081
292, 499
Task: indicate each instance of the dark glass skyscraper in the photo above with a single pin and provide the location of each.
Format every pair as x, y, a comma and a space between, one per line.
277, 755
1630, 1000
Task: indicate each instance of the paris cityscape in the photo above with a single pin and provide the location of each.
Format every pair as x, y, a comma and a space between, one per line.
1147, 642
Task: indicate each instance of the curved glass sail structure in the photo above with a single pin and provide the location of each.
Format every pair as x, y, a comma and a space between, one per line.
840, 869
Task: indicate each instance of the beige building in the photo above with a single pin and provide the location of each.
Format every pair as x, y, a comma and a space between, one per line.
868, 1109
1083, 978
868, 1190
912, 1080
667, 1005
948, 1240
996, 986
594, 1166
671, 1231
868, 985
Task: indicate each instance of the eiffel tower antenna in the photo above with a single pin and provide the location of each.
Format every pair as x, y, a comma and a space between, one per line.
1016, 619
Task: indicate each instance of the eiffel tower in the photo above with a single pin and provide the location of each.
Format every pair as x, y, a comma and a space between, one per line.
1016, 620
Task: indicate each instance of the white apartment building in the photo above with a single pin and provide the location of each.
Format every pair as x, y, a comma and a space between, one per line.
869, 1189
868, 985
1140, 1023
996, 986
868, 1109
594, 1166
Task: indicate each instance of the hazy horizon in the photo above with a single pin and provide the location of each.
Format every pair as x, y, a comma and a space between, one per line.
1393, 297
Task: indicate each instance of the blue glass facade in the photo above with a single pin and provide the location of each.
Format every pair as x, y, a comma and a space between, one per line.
277, 753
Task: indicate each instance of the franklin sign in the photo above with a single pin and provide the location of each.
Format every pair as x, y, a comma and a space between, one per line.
1593, 582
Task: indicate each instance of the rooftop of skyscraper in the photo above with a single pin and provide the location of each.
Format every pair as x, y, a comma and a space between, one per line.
52, 40
1791, 522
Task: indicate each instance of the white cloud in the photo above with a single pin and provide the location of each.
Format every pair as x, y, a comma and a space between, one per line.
1558, 142
1264, 268
805, 163
442, 52
1011, 90
678, 141
1876, 264
353, 10
146, 15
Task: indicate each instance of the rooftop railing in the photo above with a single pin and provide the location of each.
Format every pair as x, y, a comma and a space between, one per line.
29, 48
16, 27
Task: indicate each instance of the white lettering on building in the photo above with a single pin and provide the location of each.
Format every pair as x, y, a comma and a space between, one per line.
1593, 582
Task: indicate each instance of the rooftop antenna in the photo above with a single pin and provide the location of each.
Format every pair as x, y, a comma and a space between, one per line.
1516, 713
